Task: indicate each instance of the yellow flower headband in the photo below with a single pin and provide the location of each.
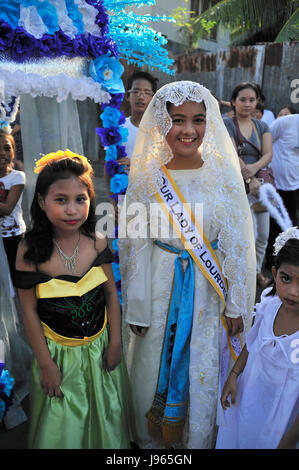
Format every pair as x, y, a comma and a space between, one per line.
55, 156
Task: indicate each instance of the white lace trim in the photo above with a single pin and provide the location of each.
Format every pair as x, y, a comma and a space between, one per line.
59, 86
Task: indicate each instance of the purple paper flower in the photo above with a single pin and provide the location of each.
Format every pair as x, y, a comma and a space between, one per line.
109, 136
80, 46
6, 35
115, 101
24, 45
66, 43
112, 167
96, 46
50, 46
121, 152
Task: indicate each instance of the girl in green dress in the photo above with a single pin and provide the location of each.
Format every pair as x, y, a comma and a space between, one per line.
79, 393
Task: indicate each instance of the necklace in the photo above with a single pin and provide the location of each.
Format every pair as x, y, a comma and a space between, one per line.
69, 261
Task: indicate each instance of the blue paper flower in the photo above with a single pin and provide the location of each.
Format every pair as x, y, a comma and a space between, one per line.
75, 15
6, 385
116, 272
48, 14
107, 70
111, 153
119, 183
124, 133
10, 12
110, 117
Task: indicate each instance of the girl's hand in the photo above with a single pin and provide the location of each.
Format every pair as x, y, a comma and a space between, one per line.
111, 357
139, 330
235, 325
230, 388
254, 187
125, 161
248, 171
50, 380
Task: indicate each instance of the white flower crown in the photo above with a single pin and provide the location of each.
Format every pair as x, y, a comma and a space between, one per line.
280, 241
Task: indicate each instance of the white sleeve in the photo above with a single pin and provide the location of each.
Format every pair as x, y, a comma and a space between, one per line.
138, 308
275, 129
18, 177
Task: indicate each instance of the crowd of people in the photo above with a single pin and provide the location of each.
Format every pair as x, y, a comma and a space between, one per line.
188, 360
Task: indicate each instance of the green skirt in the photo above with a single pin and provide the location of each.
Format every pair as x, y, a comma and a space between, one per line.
95, 411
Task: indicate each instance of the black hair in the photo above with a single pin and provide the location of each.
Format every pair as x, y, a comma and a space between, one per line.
290, 108
259, 106
288, 254
261, 95
140, 74
243, 86
39, 237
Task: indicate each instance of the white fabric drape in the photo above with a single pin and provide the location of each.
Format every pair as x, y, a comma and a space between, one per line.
47, 126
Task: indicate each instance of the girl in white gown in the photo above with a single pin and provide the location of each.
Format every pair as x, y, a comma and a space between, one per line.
265, 398
182, 133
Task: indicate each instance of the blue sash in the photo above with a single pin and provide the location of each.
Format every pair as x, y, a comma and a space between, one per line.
168, 412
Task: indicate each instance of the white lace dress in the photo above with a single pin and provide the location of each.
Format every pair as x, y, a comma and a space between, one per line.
150, 292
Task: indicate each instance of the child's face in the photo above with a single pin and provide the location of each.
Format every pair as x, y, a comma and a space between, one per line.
257, 114
66, 204
287, 286
6, 153
188, 128
283, 112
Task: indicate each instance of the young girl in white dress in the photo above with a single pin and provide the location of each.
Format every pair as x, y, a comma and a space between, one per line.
172, 311
264, 382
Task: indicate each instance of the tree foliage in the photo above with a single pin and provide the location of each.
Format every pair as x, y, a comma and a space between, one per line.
249, 21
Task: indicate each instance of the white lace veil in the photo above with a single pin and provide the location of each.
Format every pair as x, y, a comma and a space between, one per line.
222, 177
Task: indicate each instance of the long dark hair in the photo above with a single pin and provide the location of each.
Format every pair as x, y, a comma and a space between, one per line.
39, 237
288, 254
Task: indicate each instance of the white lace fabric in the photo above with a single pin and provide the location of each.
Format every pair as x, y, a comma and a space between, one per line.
147, 270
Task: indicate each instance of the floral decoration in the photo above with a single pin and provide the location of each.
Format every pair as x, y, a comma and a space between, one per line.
21, 45
6, 386
107, 70
55, 156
